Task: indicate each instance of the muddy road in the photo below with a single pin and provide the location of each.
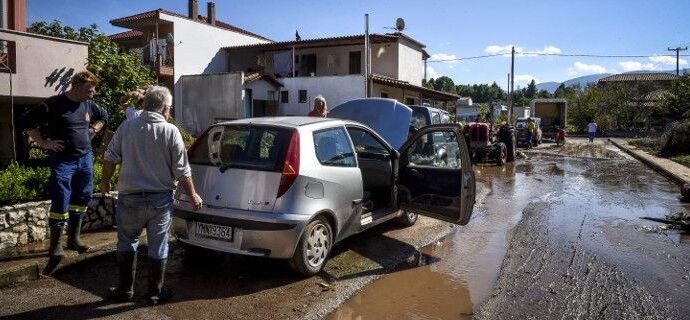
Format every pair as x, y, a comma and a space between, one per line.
559, 236
554, 235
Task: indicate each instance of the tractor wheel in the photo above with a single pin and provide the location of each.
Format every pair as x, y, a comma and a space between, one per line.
511, 149
501, 154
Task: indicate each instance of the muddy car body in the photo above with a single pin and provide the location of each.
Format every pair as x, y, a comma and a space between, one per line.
291, 187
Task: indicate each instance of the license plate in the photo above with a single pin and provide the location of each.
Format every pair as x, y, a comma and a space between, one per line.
214, 231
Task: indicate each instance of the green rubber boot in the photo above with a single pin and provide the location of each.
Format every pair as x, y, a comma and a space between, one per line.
73, 235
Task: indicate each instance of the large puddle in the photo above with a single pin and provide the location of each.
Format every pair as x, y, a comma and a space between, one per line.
459, 271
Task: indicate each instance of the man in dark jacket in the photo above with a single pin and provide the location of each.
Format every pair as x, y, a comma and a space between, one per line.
64, 125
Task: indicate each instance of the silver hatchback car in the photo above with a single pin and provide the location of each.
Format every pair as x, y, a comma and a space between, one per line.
291, 187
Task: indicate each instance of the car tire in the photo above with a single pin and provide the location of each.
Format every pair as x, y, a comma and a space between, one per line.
313, 248
407, 219
501, 154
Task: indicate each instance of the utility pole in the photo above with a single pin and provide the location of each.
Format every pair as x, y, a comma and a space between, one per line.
677, 50
512, 80
366, 55
509, 97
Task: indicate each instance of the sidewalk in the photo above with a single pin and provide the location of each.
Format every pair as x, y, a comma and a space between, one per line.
27, 262
676, 172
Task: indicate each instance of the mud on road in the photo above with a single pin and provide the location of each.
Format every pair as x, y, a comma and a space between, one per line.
581, 251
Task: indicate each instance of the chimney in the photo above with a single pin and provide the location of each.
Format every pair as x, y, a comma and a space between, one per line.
16, 15
211, 13
193, 9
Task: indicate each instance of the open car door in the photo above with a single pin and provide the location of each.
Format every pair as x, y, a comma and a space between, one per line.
435, 174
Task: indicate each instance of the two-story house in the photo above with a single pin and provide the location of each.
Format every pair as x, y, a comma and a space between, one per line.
174, 44
32, 68
333, 67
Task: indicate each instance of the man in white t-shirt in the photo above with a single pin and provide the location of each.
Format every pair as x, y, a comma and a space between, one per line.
592, 129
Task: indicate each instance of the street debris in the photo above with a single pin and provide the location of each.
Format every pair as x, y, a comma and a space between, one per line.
679, 220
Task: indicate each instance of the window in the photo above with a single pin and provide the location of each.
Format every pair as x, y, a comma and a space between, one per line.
246, 147
284, 96
384, 95
270, 95
418, 119
409, 101
435, 118
365, 142
302, 96
308, 65
435, 149
355, 62
8, 56
333, 148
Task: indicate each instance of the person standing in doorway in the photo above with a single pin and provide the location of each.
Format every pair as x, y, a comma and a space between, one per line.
64, 126
592, 129
153, 160
320, 107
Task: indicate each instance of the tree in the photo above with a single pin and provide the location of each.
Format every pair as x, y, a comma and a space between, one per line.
560, 91
118, 72
444, 84
531, 91
676, 103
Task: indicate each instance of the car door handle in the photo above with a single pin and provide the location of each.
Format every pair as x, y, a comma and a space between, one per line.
356, 202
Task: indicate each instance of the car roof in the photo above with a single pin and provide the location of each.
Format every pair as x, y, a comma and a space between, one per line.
417, 107
292, 122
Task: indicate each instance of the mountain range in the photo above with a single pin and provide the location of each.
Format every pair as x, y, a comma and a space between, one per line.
592, 78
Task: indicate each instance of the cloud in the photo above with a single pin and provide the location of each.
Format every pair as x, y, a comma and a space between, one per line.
657, 62
430, 73
636, 66
445, 56
522, 80
667, 60
505, 50
579, 67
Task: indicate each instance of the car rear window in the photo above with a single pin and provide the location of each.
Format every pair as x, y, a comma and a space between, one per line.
244, 147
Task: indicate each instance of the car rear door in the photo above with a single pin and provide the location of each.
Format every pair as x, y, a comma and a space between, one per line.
435, 176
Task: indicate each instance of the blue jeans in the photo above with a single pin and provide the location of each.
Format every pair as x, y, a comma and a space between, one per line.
591, 136
70, 187
138, 211
529, 140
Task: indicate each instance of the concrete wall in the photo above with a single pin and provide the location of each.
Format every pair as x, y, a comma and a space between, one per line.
44, 65
336, 90
198, 50
410, 67
207, 97
26, 223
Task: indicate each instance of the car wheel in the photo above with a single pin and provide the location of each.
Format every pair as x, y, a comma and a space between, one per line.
407, 219
313, 248
501, 154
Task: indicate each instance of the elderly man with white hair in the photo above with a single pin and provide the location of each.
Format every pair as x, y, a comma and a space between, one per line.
152, 159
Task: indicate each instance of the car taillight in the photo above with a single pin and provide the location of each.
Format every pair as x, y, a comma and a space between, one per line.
291, 165
192, 148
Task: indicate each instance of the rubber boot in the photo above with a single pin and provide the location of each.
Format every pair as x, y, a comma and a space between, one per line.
157, 292
73, 235
127, 268
55, 251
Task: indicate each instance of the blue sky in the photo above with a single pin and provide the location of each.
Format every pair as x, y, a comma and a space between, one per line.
450, 29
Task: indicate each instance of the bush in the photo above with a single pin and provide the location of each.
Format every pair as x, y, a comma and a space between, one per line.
19, 184
22, 184
651, 145
677, 140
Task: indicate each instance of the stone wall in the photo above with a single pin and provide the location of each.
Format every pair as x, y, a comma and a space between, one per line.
26, 223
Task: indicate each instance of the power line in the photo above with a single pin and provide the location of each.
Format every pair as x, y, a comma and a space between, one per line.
558, 55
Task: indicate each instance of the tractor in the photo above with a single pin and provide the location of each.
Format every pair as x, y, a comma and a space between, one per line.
489, 141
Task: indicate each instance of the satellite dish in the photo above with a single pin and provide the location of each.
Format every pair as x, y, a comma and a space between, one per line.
400, 24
